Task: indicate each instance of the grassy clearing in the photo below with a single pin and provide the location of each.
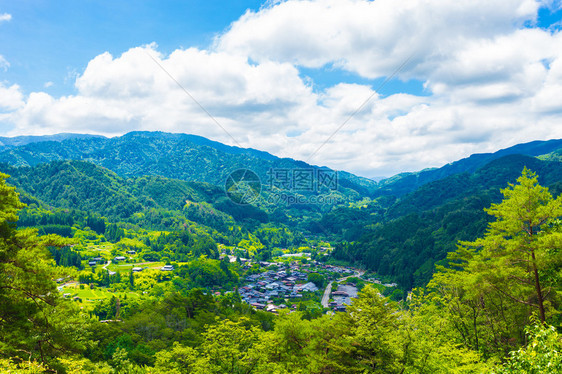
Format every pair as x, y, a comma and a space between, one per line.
91, 296
125, 268
309, 304
97, 250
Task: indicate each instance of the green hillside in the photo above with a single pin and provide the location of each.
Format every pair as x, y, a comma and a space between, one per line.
384, 228
406, 239
168, 302
177, 156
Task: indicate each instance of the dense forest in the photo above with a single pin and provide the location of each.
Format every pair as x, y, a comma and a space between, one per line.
499, 295
420, 229
116, 261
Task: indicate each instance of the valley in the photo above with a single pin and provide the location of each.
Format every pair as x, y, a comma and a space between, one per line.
162, 256
281, 187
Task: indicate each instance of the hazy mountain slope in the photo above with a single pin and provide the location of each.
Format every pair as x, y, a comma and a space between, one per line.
404, 183
6, 143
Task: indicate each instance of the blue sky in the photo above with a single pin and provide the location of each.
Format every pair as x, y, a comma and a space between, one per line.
48, 40
51, 41
283, 76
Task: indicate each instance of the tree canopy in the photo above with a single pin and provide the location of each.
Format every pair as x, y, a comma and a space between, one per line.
35, 322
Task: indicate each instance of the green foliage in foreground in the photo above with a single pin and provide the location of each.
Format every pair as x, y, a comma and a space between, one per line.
471, 319
35, 322
543, 353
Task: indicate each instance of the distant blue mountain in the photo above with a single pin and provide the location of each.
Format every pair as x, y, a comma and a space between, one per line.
404, 183
16, 141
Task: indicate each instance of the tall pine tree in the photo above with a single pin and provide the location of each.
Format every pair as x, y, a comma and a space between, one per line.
36, 323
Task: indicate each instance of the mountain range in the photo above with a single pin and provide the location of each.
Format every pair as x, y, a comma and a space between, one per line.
180, 156
195, 158
399, 227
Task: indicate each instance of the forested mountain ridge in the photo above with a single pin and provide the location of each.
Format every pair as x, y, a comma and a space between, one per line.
407, 238
177, 156
404, 183
385, 228
86, 186
195, 158
74, 189
16, 141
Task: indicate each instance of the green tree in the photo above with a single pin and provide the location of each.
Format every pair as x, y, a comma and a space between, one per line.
178, 360
496, 282
543, 353
227, 346
36, 323
317, 279
521, 245
132, 279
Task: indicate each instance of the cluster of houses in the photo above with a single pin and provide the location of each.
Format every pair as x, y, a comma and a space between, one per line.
290, 283
337, 269
287, 282
282, 283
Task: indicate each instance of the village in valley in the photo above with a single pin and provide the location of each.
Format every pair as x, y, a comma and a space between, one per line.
292, 281
284, 285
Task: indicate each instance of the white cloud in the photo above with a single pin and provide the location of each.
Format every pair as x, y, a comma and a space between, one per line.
48, 84
4, 64
131, 92
371, 38
5, 17
492, 83
11, 98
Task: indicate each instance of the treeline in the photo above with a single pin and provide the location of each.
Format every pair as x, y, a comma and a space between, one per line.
405, 238
66, 256
182, 245
76, 194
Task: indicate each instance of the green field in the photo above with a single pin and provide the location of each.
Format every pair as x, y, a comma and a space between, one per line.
91, 296
125, 268
310, 304
98, 250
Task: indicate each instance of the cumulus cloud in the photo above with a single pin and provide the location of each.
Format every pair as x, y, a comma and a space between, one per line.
492, 81
5, 17
132, 91
371, 38
11, 97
